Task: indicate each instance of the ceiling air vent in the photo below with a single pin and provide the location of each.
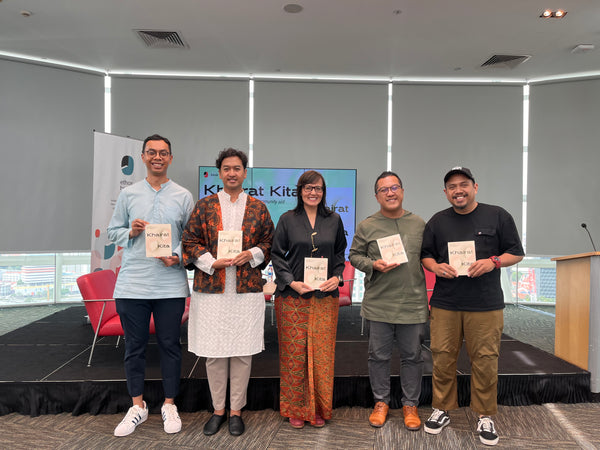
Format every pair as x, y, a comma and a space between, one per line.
162, 39
506, 61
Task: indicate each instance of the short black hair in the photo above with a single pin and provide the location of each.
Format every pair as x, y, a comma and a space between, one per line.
386, 174
156, 137
231, 152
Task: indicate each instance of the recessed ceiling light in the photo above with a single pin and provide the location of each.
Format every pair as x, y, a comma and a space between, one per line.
292, 8
25, 13
397, 11
558, 14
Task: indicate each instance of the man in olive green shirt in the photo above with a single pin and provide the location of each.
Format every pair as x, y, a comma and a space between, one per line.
395, 299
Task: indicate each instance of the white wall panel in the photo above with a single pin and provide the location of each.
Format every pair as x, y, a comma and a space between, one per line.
324, 125
438, 127
564, 166
199, 117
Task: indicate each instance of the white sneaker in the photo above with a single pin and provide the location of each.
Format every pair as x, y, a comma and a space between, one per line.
133, 418
487, 431
172, 422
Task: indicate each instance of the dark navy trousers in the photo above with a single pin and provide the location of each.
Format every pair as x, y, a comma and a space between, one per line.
135, 319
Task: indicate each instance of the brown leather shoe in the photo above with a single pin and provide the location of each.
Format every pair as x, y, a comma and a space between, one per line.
411, 418
379, 414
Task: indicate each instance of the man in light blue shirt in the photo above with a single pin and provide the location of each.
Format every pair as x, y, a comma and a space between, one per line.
147, 285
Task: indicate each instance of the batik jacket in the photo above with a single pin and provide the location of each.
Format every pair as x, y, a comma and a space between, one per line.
201, 235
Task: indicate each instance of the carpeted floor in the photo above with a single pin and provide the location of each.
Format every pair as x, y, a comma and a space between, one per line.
547, 426
16, 317
533, 325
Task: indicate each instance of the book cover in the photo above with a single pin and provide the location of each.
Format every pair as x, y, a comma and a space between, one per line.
158, 240
392, 249
230, 244
315, 271
461, 255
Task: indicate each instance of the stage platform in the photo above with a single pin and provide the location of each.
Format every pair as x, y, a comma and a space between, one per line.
44, 370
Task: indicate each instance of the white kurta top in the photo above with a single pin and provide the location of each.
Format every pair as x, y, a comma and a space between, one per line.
228, 324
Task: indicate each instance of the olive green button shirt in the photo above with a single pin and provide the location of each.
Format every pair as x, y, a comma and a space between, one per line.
398, 296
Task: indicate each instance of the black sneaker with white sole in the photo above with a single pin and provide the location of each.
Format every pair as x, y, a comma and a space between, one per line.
436, 422
487, 431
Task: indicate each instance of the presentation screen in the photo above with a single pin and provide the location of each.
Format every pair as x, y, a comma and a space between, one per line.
276, 187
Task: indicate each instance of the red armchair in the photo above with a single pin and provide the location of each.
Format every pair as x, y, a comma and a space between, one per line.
97, 289
429, 282
347, 288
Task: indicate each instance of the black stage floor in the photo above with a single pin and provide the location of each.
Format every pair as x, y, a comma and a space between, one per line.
43, 370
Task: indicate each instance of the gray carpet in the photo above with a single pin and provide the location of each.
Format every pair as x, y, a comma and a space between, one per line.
533, 325
550, 426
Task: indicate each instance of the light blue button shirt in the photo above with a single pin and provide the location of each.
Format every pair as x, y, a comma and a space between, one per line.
140, 276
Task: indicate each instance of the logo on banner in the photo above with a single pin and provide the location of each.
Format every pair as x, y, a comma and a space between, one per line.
127, 165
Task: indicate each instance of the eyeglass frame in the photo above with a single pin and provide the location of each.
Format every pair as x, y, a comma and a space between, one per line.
308, 189
384, 190
152, 153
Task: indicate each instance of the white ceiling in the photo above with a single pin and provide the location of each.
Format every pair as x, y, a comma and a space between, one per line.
427, 40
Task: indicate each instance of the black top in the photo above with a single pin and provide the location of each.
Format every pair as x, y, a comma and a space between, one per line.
494, 232
292, 243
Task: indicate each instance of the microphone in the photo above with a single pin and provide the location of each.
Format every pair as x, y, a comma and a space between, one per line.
584, 226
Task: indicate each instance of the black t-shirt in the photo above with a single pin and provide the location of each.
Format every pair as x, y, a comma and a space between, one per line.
494, 232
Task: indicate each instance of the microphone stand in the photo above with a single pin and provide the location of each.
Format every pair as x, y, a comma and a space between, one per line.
584, 226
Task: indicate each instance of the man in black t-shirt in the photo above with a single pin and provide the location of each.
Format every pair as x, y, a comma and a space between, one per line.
471, 305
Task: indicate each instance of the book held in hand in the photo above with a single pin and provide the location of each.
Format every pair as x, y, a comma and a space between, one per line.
392, 249
158, 240
315, 271
461, 255
230, 244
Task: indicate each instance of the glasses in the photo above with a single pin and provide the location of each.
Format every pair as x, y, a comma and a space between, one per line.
307, 188
385, 190
312, 240
152, 153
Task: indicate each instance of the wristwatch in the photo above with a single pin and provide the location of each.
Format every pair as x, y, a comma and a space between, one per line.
496, 261
341, 283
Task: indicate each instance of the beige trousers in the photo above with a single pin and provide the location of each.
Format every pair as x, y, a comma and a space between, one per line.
237, 370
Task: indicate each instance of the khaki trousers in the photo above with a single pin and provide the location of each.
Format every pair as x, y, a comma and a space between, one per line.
481, 332
219, 370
